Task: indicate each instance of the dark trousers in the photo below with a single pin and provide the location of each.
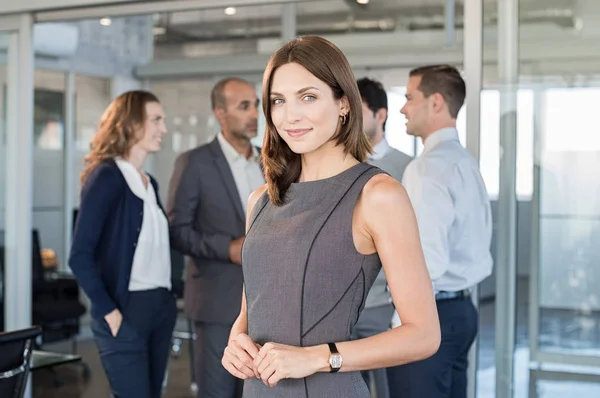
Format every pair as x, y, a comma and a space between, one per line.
373, 321
135, 360
213, 380
444, 375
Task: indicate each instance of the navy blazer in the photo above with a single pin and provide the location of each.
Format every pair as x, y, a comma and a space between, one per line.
106, 233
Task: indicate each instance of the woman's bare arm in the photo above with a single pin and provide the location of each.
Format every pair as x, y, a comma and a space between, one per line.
390, 222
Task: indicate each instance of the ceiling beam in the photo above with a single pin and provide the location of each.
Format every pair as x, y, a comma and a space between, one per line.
539, 51
145, 8
256, 63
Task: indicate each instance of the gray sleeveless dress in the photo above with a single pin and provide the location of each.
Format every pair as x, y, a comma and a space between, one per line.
305, 282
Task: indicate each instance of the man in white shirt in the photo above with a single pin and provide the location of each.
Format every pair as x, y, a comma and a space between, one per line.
455, 223
376, 316
207, 216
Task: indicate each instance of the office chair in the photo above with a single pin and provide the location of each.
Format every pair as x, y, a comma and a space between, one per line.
55, 305
16, 348
55, 300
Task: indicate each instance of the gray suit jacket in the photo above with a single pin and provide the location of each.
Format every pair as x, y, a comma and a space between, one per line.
205, 214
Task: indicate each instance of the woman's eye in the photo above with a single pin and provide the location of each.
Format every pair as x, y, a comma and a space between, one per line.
276, 101
310, 98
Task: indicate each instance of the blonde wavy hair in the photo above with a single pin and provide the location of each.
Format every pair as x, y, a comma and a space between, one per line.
117, 131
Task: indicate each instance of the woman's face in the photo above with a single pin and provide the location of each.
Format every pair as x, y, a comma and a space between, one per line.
303, 108
154, 128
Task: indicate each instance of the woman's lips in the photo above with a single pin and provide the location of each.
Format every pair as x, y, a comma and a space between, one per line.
295, 133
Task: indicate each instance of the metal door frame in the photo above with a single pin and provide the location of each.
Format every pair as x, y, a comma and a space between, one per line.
18, 169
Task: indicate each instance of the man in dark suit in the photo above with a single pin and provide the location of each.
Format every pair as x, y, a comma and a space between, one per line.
207, 211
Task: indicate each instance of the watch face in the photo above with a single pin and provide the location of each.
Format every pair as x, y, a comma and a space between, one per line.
336, 361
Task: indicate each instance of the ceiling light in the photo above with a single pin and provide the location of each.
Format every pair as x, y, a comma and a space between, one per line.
159, 30
362, 1
230, 11
105, 22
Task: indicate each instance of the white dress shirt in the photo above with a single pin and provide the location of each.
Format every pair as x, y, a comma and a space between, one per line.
394, 163
247, 173
152, 258
453, 212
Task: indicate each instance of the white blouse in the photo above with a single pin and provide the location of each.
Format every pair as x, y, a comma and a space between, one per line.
152, 260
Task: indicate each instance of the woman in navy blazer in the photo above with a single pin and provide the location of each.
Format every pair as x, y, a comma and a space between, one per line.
120, 253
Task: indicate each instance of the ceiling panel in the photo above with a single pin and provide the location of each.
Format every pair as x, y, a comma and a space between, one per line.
309, 8
337, 16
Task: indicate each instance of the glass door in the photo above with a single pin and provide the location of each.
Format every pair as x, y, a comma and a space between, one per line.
565, 278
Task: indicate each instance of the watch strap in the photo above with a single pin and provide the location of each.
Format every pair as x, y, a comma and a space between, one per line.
334, 351
333, 348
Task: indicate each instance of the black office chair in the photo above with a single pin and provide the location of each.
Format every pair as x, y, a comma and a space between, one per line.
16, 348
55, 302
55, 306
55, 299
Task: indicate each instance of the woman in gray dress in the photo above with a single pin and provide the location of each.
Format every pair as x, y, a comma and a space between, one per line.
317, 235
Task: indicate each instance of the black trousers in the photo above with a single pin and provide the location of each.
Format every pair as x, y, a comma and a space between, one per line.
444, 375
135, 360
213, 380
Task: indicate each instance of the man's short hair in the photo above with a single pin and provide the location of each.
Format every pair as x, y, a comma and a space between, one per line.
443, 79
373, 94
217, 95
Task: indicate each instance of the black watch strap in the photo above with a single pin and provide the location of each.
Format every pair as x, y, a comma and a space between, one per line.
334, 351
333, 348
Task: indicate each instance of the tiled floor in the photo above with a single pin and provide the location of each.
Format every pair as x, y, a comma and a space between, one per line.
572, 330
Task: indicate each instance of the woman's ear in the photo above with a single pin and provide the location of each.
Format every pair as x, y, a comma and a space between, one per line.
344, 106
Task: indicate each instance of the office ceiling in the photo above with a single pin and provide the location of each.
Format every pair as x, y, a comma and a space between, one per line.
337, 16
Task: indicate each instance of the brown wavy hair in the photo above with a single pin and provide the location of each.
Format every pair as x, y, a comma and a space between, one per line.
116, 132
327, 63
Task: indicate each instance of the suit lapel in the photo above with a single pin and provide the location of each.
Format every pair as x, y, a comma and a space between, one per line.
227, 178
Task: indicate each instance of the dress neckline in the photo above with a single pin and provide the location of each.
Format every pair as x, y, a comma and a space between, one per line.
327, 179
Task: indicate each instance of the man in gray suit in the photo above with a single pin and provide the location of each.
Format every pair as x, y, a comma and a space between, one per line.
377, 314
207, 211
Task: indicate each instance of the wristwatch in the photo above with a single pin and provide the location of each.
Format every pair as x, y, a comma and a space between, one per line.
335, 358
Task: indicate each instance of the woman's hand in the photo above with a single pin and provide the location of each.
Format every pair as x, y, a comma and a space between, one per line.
275, 362
239, 356
114, 320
